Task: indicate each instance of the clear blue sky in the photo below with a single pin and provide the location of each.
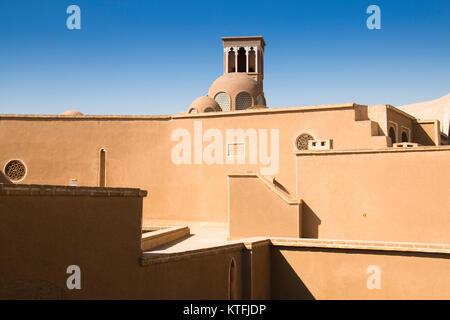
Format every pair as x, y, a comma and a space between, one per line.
156, 57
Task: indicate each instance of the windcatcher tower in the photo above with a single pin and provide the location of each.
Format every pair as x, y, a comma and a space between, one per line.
241, 85
245, 55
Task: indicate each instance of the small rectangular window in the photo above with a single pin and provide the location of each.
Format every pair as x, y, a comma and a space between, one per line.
235, 149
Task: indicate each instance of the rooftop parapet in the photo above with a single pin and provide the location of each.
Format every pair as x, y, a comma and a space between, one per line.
55, 190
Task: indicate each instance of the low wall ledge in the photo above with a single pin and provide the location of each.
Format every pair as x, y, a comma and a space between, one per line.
285, 197
324, 107
149, 258
362, 245
81, 117
55, 190
362, 151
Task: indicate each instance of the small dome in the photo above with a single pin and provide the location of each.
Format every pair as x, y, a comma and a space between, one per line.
204, 104
72, 113
233, 84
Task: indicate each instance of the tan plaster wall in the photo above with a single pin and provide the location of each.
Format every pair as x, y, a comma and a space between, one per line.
425, 133
40, 236
255, 210
260, 271
203, 277
386, 196
184, 192
58, 149
378, 113
305, 273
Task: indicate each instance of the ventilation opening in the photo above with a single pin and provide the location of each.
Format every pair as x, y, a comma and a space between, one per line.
302, 141
15, 170
231, 61
243, 101
252, 61
223, 100
232, 274
102, 169
242, 60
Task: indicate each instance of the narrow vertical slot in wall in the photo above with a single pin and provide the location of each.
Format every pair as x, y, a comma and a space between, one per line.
102, 169
232, 274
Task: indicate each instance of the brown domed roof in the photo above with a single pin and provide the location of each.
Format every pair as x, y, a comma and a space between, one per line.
203, 103
72, 113
234, 83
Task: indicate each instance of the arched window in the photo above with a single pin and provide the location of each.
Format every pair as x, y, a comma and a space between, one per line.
243, 101
15, 170
392, 135
231, 61
102, 169
223, 100
302, 141
193, 111
232, 274
209, 109
251, 60
242, 60
404, 137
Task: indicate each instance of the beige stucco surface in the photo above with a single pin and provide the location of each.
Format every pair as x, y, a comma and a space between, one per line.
342, 274
384, 195
138, 153
257, 210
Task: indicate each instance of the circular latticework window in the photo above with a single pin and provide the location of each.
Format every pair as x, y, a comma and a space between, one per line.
15, 170
223, 100
243, 101
302, 141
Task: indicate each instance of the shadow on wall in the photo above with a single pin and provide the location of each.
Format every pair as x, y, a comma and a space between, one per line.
280, 186
422, 137
4, 178
286, 284
310, 222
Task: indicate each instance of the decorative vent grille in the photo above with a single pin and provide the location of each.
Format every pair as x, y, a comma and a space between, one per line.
302, 141
243, 101
15, 170
223, 100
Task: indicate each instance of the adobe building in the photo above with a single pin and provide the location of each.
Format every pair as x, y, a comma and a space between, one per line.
228, 199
